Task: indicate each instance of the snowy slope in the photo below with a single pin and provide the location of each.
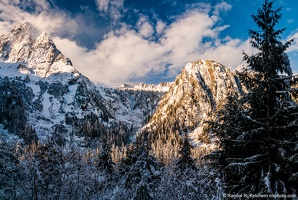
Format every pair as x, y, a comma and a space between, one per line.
132, 106
35, 52
161, 87
50, 100
52, 93
49, 86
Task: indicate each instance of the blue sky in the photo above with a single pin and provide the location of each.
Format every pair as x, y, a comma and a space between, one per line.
116, 41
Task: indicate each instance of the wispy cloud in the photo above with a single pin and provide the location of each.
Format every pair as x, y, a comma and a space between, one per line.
103, 5
160, 26
52, 21
294, 46
145, 28
221, 7
127, 54
112, 9
116, 59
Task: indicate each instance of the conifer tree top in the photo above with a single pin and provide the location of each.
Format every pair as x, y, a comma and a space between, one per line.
271, 58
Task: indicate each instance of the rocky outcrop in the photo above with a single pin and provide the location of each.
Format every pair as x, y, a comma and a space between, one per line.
38, 53
198, 91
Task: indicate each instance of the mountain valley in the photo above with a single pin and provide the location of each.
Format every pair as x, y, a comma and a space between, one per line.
41, 92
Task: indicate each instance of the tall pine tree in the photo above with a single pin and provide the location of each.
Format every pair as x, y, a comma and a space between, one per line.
258, 133
140, 172
104, 162
185, 161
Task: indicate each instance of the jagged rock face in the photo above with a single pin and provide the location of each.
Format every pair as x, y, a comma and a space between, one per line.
197, 92
134, 107
44, 104
41, 91
25, 44
46, 85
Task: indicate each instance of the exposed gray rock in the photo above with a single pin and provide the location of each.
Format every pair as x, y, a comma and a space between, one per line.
57, 89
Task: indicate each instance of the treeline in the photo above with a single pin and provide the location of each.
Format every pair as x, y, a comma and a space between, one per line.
50, 171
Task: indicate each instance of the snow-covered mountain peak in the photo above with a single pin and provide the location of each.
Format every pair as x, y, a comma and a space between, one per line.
43, 38
202, 66
196, 93
35, 51
53, 98
26, 29
161, 87
191, 68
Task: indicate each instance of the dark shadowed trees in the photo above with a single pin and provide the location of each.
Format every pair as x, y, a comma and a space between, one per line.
258, 133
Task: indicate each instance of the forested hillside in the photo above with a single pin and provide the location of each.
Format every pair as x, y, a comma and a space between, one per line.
211, 134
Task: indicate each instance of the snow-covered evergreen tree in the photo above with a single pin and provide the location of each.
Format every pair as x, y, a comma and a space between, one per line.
10, 172
185, 161
184, 180
140, 172
44, 172
258, 133
104, 162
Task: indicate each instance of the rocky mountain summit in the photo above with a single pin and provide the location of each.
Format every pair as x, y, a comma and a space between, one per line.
42, 95
35, 51
200, 89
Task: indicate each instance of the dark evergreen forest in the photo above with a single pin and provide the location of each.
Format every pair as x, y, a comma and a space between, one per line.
256, 136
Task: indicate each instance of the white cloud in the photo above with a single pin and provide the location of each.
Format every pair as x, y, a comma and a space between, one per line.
127, 54
222, 7
184, 38
116, 59
52, 22
293, 51
294, 46
41, 4
10, 19
14, 2
159, 28
102, 5
200, 7
144, 27
229, 53
111, 8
